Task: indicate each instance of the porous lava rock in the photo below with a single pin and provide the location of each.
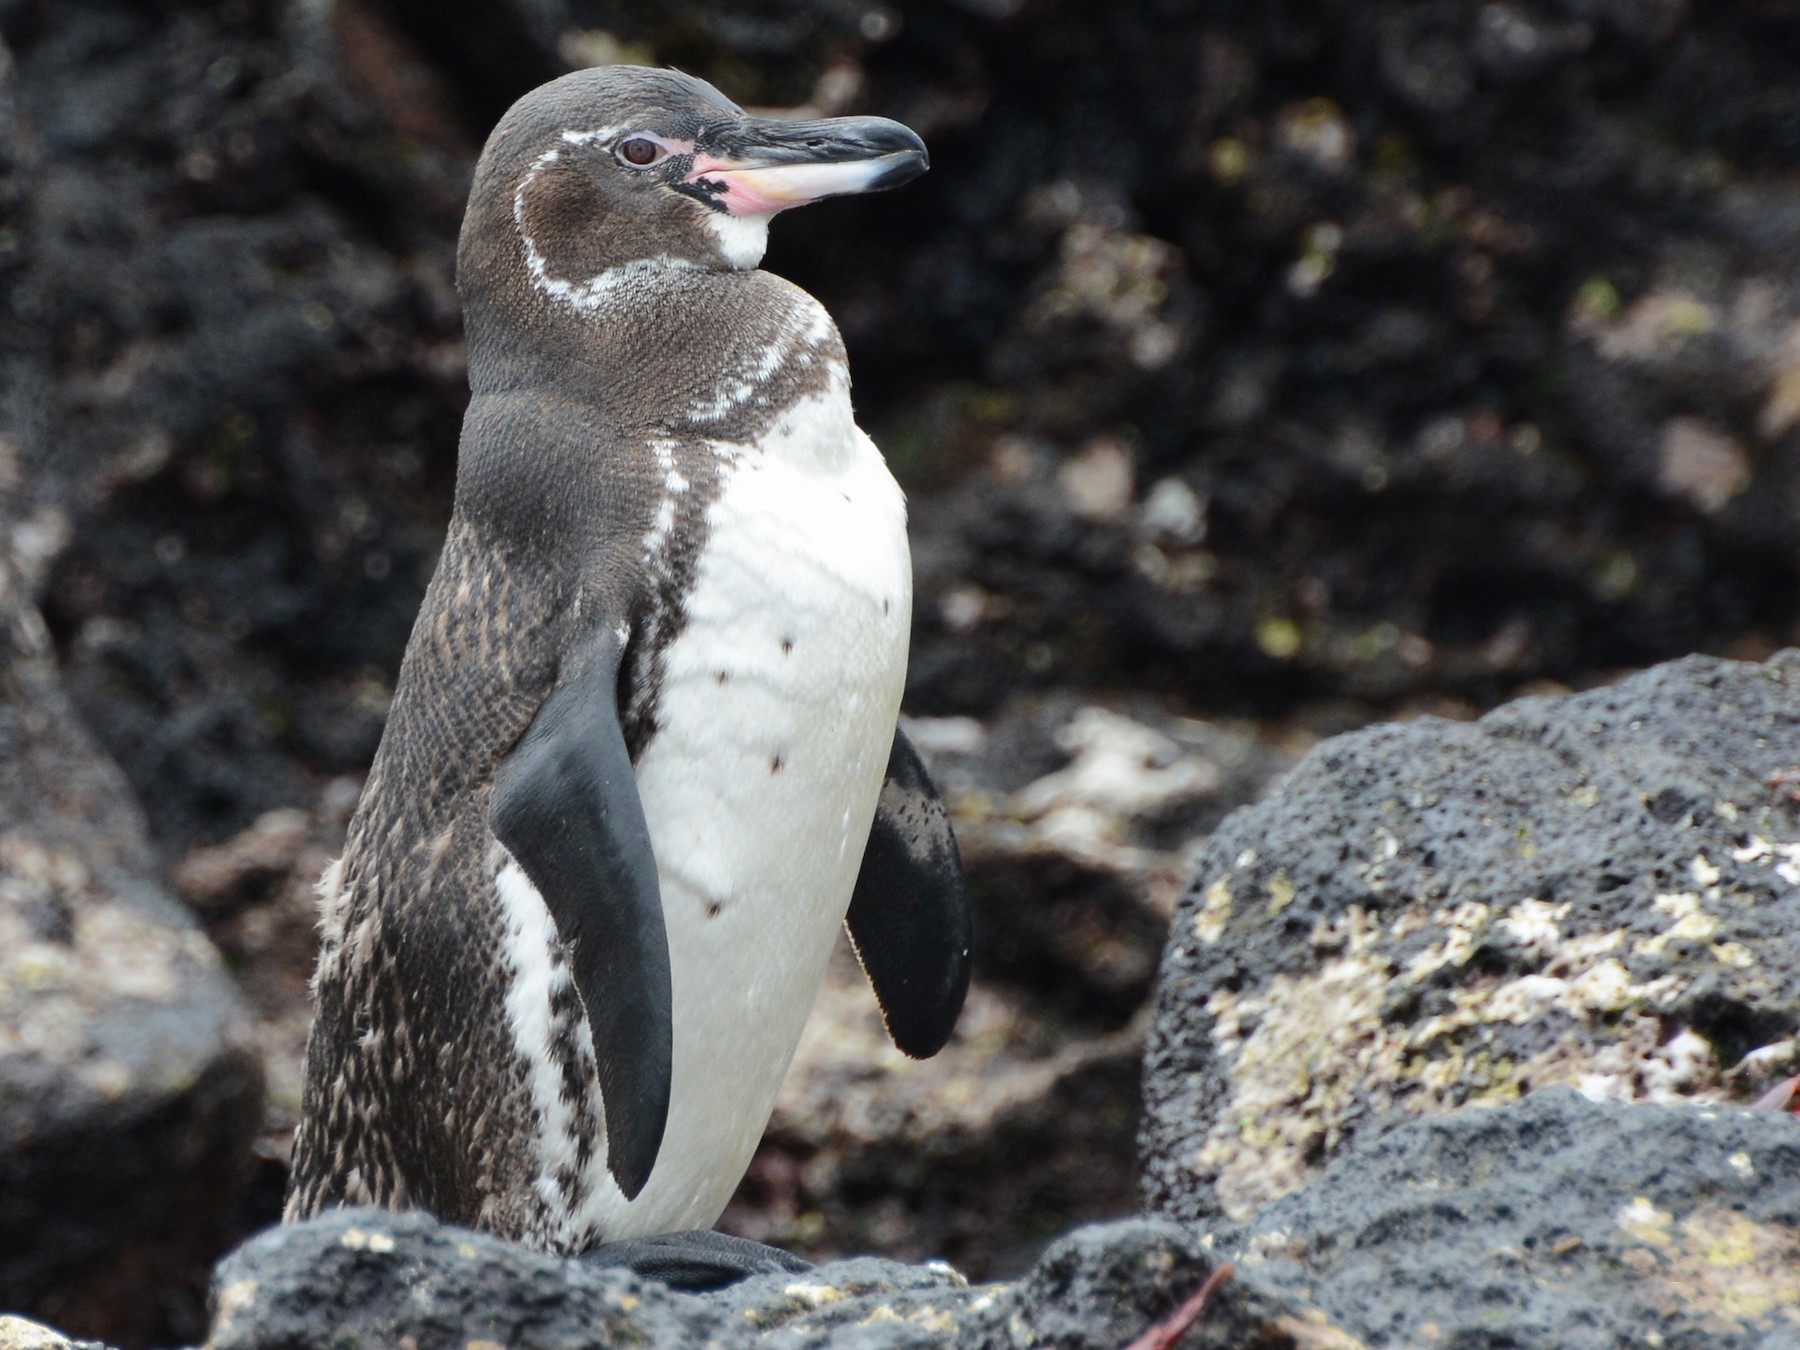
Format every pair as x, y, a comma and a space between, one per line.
129, 1091
1556, 1222
1600, 890
356, 1278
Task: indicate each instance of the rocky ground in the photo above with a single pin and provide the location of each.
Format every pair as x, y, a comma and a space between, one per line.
1255, 373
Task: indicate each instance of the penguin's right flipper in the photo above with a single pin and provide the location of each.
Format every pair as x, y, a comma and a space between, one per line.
566, 807
909, 913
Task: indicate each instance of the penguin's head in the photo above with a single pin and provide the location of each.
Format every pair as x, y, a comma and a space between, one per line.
604, 172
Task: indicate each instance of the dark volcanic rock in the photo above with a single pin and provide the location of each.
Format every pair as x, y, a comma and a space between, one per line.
1442, 345
369, 1278
1601, 891
1553, 1222
1556, 1222
366, 1278
237, 379
129, 1093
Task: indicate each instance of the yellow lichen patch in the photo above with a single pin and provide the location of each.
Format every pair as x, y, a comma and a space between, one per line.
1293, 1075
1534, 925
1215, 912
19, 1333
935, 1320
1754, 851
1281, 892
1313, 1332
1308, 1055
1607, 987
234, 1299
1733, 954
1355, 931
813, 1295
1644, 1222
1525, 999
1692, 924
1728, 1269
1462, 926
1609, 1070
1789, 871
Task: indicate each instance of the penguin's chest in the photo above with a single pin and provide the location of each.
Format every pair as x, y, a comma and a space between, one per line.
774, 722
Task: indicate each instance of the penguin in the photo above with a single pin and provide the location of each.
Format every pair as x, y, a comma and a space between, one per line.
643, 759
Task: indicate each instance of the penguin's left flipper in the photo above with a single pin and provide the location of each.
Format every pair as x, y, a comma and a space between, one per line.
909, 914
566, 807
696, 1260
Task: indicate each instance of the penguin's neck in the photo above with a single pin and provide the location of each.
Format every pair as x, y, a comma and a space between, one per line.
663, 350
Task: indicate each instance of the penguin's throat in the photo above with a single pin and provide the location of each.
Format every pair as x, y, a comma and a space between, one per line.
742, 239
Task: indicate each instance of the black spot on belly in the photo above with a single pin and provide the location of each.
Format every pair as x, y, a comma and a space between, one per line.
884, 606
713, 908
787, 646
723, 677
776, 761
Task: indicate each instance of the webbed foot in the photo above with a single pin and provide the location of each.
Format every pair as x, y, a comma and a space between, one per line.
696, 1260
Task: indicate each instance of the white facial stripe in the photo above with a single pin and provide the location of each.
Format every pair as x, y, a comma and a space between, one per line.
742, 239
597, 135
589, 293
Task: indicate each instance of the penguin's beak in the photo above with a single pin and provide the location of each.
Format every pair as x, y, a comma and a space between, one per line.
766, 164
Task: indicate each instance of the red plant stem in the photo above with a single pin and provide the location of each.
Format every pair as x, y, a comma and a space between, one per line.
1171, 1329
1781, 1097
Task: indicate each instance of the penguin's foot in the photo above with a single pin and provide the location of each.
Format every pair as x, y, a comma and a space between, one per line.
696, 1260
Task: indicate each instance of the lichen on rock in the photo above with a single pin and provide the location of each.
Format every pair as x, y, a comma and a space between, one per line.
1585, 892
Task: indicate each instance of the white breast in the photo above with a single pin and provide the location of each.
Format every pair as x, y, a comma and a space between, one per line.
776, 716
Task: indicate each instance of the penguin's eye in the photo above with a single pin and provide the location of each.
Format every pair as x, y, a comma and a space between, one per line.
641, 152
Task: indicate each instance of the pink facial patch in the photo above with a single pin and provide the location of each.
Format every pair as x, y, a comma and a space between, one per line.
750, 189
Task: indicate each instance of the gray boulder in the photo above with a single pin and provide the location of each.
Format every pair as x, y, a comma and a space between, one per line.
1601, 891
1559, 1222
19, 1333
129, 1092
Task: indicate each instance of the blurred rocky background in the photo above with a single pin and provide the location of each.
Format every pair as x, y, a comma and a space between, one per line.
1255, 370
